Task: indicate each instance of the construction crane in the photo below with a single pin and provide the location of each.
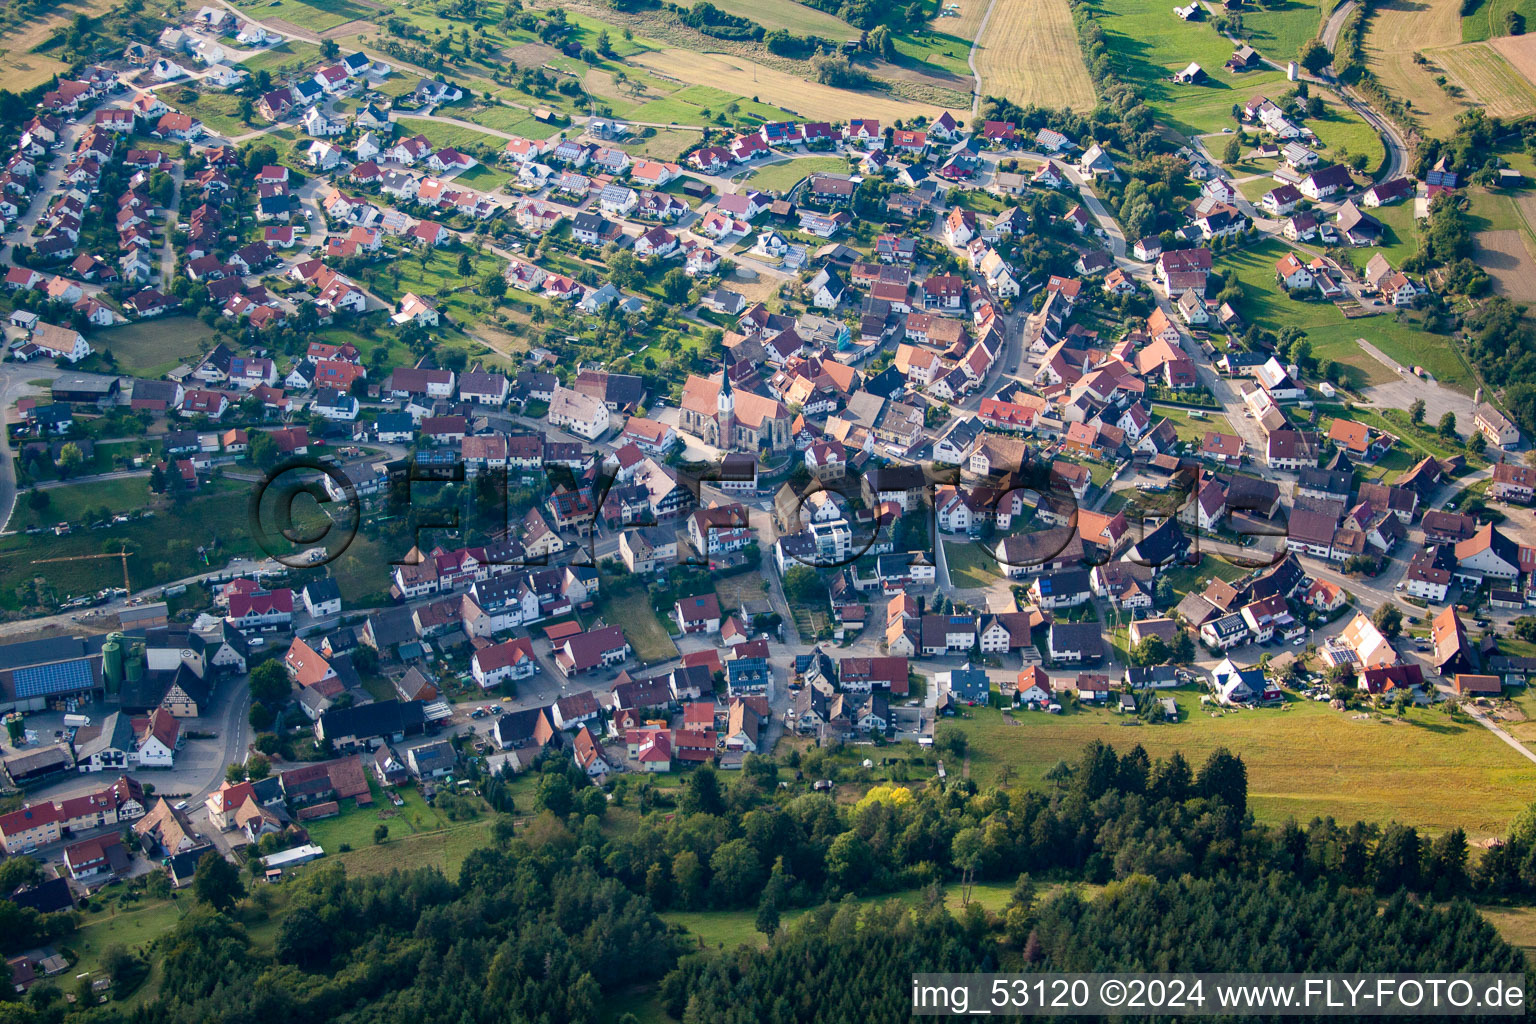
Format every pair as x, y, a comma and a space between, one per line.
127, 587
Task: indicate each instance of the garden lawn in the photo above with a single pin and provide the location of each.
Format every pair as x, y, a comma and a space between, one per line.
133, 927
438, 280
1187, 427
444, 849
512, 120
219, 111
1303, 759
631, 610
153, 348
1185, 578
484, 177
354, 825
68, 502
969, 565
663, 144
1401, 239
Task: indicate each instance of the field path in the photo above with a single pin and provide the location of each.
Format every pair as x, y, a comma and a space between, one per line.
970, 58
1027, 52
1487, 723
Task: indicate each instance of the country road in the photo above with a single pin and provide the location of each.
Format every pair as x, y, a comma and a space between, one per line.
1335, 24
1396, 147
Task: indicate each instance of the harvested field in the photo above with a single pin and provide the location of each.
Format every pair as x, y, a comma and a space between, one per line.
1525, 202
530, 55
1520, 52
664, 144
316, 16
803, 98
1398, 28
965, 24
1507, 258
1029, 54
22, 69
1488, 79
790, 16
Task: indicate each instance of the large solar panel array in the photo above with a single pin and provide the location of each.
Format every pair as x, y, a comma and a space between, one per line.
59, 677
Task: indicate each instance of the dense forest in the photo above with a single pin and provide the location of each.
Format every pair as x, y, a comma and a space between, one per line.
558, 918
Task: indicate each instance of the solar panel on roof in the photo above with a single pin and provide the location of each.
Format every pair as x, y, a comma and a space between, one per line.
59, 677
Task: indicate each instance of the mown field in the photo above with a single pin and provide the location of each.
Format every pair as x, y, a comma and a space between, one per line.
727, 929
1332, 336
1487, 79
1304, 759
794, 94
314, 15
1342, 133
283, 58
1435, 29
644, 631
1028, 53
68, 502
782, 177
219, 111
457, 136
152, 348
166, 542
1279, 30
790, 16
1149, 43
698, 104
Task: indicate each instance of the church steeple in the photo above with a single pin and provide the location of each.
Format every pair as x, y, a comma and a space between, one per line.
725, 411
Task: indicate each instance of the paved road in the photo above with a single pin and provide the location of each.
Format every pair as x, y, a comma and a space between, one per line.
168, 253
1335, 24
1396, 147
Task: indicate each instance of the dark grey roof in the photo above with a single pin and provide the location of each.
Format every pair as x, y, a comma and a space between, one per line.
381, 718
44, 897
114, 733
41, 652
392, 626
322, 590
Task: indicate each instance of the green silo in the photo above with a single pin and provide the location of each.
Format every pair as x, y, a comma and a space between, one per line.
134, 660
112, 662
